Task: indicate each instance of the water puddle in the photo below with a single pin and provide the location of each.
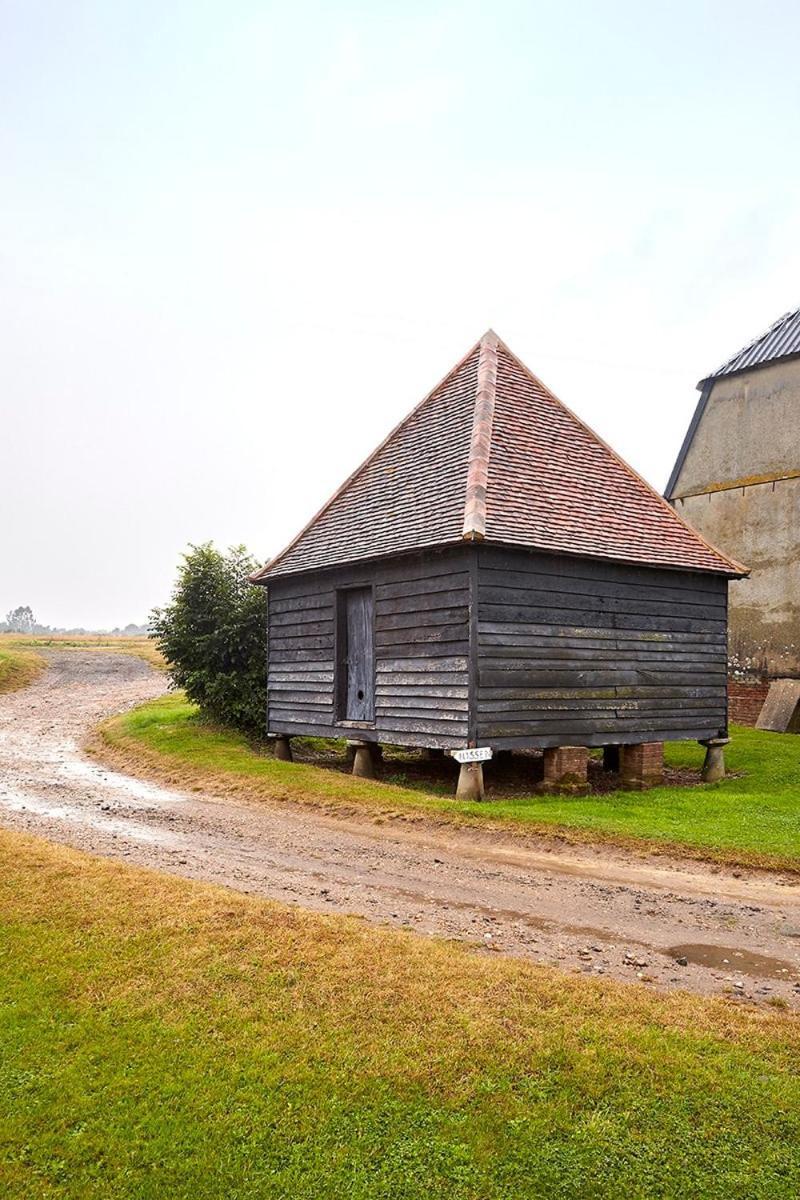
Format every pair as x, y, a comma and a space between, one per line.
732, 961
93, 818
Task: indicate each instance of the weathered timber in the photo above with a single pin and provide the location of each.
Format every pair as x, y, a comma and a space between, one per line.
508, 648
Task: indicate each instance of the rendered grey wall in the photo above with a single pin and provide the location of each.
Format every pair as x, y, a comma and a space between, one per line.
740, 487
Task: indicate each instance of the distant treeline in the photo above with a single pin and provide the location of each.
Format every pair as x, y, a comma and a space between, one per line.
22, 620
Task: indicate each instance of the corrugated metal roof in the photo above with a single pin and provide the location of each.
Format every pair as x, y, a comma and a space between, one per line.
492, 455
780, 340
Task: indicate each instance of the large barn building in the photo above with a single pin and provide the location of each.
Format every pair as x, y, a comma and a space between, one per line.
495, 577
737, 480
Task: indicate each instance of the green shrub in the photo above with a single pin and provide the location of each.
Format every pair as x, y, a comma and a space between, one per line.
213, 634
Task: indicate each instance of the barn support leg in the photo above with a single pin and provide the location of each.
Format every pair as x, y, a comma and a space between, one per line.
470, 782
363, 760
611, 758
642, 765
714, 765
283, 749
565, 769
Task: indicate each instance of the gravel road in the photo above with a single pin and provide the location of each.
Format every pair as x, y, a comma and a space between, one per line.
667, 923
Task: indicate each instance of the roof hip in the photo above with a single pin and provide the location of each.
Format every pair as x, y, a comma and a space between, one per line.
480, 448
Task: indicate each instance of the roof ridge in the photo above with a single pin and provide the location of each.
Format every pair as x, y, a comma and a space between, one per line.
260, 575
481, 442
738, 568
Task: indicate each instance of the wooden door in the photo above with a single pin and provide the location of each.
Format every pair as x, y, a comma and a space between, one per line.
359, 655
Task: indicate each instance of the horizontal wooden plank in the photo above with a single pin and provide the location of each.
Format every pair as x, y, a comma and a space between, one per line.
300, 643
500, 604
307, 629
421, 634
537, 680
284, 695
421, 724
544, 709
555, 658
422, 620
486, 694
549, 633
307, 672
290, 604
556, 581
452, 704
422, 665
611, 694
572, 728
441, 691
277, 716
299, 656
540, 741
447, 738
578, 567
424, 679
598, 620
302, 619
441, 581
423, 602
299, 587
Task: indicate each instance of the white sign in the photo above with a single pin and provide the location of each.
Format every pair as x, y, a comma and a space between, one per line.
479, 754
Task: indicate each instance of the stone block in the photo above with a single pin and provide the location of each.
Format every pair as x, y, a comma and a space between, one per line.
781, 711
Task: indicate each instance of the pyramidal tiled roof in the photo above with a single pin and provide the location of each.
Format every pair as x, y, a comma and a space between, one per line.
491, 455
779, 341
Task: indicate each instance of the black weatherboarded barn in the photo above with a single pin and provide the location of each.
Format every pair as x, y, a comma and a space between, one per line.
494, 576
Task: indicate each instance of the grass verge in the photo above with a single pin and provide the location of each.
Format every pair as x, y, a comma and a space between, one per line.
18, 668
166, 1038
748, 820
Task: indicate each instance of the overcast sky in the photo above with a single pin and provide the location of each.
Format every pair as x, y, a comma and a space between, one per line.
239, 240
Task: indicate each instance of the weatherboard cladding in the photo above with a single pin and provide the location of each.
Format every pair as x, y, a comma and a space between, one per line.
492, 455
780, 340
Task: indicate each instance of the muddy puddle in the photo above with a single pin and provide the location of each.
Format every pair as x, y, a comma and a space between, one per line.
732, 960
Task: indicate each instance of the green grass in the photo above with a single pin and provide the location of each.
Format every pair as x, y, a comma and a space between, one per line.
18, 668
160, 1038
752, 818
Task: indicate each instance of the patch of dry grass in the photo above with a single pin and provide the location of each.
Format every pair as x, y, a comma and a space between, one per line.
163, 1037
141, 647
18, 667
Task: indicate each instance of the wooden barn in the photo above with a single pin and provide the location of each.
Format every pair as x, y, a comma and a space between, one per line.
493, 578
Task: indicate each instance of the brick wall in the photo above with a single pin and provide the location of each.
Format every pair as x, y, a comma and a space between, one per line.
745, 699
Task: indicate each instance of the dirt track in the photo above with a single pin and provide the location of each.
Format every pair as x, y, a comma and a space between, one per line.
588, 910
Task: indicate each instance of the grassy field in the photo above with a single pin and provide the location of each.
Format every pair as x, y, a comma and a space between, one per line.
749, 819
165, 1038
142, 647
18, 667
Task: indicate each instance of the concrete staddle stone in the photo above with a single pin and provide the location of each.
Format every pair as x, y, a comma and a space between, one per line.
363, 762
714, 765
565, 770
781, 711
470, 782
283, 749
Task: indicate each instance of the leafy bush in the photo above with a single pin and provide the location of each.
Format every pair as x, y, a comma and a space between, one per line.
213, 635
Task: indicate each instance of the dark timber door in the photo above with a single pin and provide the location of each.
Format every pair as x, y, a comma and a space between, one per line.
358, 658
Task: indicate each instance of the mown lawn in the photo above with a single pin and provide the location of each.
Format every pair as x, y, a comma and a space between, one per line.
752, 818
160, 1038
18, 668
